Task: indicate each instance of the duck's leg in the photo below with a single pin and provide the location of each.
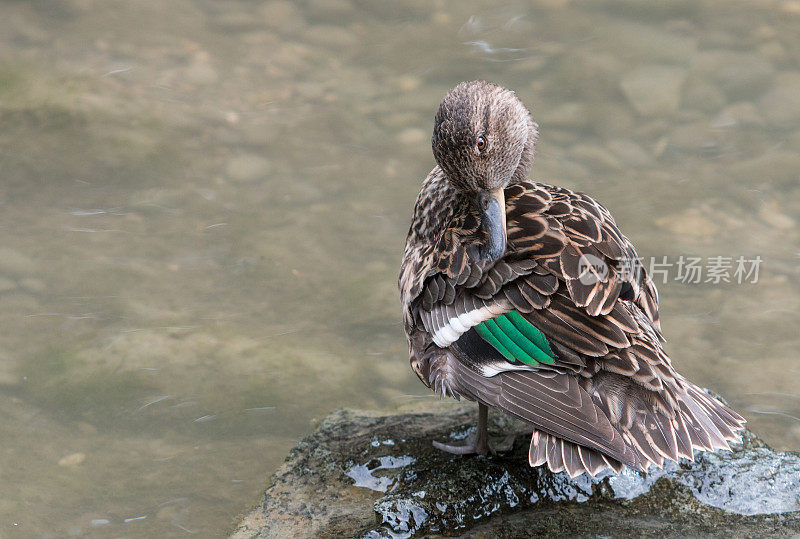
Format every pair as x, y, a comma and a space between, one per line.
479, 443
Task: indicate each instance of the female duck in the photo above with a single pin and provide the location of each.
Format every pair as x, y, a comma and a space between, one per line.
527, 297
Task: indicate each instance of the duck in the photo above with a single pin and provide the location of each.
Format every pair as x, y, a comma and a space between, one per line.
527, 298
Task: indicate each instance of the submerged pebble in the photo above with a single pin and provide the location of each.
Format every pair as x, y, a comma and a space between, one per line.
247, 168
630, 152
654, 90
72, 460
691, 224
772, 216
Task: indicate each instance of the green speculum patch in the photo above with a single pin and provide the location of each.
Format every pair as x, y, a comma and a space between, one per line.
517, 339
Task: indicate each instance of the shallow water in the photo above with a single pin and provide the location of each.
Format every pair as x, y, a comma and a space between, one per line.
203, 208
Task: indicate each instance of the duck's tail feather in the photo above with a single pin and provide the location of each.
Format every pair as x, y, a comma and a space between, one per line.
561, 455
667, 424
700, 422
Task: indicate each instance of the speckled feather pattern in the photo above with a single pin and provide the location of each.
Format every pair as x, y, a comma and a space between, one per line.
613, 396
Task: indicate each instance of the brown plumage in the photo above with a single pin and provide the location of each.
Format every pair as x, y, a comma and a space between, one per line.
610, 396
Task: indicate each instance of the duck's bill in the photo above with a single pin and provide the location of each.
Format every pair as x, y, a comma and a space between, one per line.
493, 205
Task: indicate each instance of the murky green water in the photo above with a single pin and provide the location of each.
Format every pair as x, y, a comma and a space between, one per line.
203, 207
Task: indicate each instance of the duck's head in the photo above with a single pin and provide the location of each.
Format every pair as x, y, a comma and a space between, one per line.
484, 140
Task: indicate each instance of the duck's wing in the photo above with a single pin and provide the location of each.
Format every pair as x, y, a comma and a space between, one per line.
566, 261
578, 241
557, 239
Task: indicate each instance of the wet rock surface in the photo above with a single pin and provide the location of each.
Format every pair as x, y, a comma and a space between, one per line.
366, 475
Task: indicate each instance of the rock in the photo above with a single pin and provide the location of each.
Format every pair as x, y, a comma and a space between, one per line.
201, 74
691, 224
613, 119
70, 461
258, 132
595, 157
630, 152
406, 83
654, 90
247, 168
781, 105
770, 213
441, 18
695, 137
741, 75
366, 475
774, 51
742, 113
703, 96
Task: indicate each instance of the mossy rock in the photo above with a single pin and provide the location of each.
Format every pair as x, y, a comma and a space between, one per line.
366, 475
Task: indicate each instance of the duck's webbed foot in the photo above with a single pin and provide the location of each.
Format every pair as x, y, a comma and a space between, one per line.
480, 443
476, 446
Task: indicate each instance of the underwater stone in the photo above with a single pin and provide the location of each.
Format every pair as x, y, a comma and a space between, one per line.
654, 90
247, 168
410, 488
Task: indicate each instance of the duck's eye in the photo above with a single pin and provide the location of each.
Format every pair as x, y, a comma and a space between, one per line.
481, 144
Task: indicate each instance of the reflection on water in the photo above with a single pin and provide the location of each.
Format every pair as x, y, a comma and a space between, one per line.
203, 207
